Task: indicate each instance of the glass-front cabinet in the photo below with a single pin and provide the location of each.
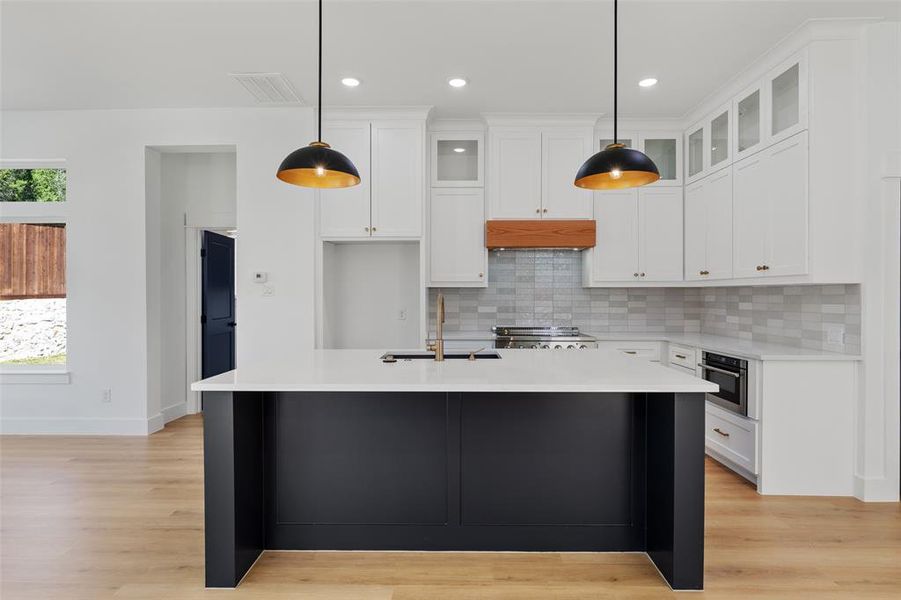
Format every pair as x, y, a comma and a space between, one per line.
718, 155
694, 149
665, 149
786, 90
457, 159
748, 109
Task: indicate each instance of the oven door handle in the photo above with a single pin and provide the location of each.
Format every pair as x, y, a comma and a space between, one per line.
718, 370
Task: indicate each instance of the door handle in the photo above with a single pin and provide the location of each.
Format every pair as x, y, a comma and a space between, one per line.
231, 324
721, 432
718, 370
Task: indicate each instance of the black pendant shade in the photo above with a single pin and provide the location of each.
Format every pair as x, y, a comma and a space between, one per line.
317, 165
617, 167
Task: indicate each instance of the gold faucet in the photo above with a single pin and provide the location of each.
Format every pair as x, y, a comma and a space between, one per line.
438, 345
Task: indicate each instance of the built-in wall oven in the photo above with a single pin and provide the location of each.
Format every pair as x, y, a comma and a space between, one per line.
731, 374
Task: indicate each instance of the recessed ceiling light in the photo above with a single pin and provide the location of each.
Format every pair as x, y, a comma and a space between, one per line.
350, 81
456, 82
650, 81
459, 149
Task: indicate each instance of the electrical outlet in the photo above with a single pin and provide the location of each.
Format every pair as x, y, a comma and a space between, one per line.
402, 314
268, 290
835, 334
107, 396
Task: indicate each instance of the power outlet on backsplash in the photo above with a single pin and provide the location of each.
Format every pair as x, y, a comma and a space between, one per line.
835, 334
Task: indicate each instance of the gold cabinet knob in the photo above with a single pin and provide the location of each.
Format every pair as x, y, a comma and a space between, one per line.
366, 228
544, 210
634, 274
538, 210
766, 267
760, 267
481, 274
642, 274
373, 229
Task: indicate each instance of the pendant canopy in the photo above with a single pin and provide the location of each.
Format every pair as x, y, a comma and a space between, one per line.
616, 167
317, 165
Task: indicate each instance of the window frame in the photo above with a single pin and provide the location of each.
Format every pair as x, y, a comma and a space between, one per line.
44, 213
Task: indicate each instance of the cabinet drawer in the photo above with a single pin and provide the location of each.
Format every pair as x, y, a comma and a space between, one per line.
682, 356
732, 436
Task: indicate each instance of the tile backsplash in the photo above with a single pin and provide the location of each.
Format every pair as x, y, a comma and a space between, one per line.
544, 287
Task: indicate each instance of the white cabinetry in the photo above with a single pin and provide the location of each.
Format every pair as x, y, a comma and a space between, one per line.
639, 236
708, 228
708, 144
770, 211
457, 253
457, 159
389, 200
531, 172
663, 147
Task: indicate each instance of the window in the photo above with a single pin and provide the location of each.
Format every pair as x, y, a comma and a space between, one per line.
32, 268
32, 185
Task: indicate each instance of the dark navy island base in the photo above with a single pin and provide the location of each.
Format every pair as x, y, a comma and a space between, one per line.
600, 472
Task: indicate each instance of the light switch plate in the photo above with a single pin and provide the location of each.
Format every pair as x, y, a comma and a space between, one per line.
260, 277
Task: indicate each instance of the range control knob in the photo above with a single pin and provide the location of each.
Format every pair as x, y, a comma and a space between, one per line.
557, 346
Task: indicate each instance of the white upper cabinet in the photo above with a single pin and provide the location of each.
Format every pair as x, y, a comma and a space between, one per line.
615, 257
770, 206
786, 89
531, 171
514, 173
773, 109
397, 179
660, 234
344, 212
639, 236
695, 144
665, 149
708, 228
457, 253
457, 159
562, 153
388, 202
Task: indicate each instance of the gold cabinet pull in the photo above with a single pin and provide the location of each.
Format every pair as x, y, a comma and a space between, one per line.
481, 274
634, 274
538, 210
721, 432
642, 274
544, 210
682, 356
366, 228
373, 229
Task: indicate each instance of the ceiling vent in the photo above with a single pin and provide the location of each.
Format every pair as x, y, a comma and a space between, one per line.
268, 88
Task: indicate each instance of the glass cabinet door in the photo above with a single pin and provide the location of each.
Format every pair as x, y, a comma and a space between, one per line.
456, 160
748, 119
696, 152
662, 151
785, 93
719, 138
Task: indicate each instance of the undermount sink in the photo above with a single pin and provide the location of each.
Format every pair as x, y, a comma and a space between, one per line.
396, 356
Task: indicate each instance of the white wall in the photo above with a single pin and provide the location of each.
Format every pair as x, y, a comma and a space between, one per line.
365, 286
109, 337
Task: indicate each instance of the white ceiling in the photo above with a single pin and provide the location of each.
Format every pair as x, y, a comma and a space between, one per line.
520, 56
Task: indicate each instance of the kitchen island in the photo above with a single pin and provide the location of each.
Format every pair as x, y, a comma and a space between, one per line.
587, 450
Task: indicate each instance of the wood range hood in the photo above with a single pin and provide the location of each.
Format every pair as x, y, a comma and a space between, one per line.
575, 234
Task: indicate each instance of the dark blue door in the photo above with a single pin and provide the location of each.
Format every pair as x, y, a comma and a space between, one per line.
217, 316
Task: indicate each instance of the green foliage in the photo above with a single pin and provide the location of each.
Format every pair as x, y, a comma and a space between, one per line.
32, 185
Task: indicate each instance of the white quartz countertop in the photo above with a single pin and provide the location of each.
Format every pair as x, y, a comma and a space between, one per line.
713, 343
516, 371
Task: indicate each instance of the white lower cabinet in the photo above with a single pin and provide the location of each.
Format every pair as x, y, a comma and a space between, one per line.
770, 211
732, 437
639, 237
457, 253
708, 227
639, 349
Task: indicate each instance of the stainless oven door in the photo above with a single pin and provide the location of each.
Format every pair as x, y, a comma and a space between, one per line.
733, 382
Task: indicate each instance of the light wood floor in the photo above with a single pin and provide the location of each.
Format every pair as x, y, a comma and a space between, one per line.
93, 518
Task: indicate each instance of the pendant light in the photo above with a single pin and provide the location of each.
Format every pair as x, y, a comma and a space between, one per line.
616, 167
317, 165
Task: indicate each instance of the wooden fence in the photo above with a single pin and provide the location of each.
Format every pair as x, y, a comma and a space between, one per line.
32, 261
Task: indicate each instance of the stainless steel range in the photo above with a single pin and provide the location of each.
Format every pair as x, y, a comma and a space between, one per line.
554, 338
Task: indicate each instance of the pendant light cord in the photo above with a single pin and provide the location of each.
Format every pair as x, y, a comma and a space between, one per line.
319, 126
615, 70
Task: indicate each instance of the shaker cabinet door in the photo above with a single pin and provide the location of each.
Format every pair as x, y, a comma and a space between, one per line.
344, 212
562, 153
750, 224
718, 201
787, 175
660, 234
615, 257
397, 179
696, 230
457, 253
514, 173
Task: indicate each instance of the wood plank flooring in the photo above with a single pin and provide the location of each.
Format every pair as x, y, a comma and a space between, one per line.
93, 518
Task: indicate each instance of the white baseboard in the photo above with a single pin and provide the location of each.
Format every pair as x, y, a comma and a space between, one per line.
176, 411
876, 489
80, 426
